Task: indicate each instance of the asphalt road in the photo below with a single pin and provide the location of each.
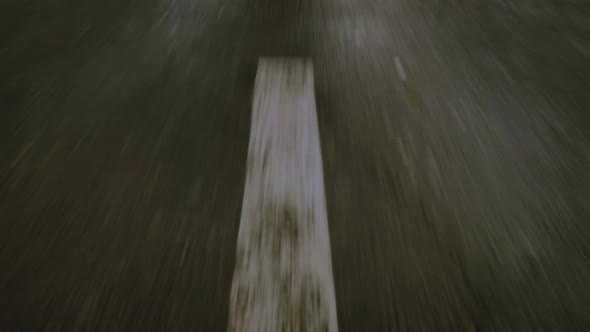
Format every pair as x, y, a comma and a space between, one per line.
456, 176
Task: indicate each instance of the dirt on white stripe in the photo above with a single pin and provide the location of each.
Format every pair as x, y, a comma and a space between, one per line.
283, 275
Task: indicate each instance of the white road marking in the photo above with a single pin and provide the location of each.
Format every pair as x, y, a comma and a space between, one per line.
400, 69
283, 275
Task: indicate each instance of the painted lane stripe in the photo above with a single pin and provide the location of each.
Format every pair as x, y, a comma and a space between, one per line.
400, 69
283, 275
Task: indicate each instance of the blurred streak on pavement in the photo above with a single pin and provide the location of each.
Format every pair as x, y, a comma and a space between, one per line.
457, 198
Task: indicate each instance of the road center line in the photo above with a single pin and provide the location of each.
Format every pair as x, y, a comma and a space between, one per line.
283, 275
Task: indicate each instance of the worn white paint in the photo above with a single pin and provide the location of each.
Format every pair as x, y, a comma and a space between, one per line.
283, 275
400, 69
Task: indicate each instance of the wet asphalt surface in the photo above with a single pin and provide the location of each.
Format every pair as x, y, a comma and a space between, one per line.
457, 199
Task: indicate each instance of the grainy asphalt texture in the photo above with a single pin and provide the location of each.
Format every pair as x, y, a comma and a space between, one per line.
457, 199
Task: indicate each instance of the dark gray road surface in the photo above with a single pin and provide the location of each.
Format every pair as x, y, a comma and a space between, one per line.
457, 199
